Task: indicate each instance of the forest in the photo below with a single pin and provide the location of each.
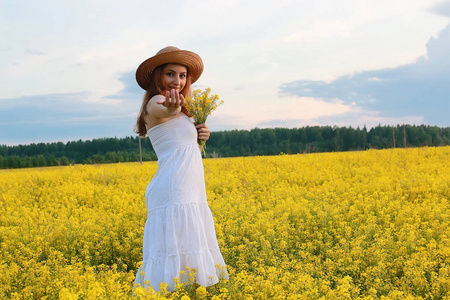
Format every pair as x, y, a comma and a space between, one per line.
254, 142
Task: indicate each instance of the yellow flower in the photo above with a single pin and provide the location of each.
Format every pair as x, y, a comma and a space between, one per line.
65, 294
200, 106
367, 224
201, 292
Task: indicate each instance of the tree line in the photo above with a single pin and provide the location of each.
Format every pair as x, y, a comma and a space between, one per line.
268, 141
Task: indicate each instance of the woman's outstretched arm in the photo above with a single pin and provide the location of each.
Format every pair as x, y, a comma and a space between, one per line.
165, 106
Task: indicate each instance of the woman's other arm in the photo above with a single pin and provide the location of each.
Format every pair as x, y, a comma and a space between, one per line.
202, 131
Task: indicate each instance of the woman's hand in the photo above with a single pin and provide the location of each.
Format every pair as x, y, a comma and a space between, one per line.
173, 99
202, 131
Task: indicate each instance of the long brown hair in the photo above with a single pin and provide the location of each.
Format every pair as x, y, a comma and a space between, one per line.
155, 88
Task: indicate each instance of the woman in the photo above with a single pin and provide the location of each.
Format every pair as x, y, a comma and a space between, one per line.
179, 232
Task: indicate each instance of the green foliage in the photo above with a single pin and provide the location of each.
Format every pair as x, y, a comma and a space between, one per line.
97, 151
268, 141
322, 139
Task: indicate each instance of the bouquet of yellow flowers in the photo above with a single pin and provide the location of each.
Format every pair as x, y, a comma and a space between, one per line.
200, 106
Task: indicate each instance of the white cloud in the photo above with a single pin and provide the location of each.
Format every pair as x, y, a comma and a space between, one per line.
361, 118
324, 29
74, 47
278, 112
417, 89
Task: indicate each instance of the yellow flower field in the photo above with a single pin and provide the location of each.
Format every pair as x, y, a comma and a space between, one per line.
356, 225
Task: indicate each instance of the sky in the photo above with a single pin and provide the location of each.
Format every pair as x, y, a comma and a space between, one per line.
67, 68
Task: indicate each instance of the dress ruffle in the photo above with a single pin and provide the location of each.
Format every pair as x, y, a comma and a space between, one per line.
186, 239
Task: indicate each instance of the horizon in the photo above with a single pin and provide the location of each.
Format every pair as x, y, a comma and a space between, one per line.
131, 136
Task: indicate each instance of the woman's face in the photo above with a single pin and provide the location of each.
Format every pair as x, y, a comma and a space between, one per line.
174, 77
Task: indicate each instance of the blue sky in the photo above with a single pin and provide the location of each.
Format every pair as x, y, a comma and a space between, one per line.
67, 67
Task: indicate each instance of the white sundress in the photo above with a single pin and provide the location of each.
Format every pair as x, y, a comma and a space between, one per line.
179, 231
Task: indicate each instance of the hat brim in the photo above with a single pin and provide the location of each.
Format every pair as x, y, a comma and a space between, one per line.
191, 60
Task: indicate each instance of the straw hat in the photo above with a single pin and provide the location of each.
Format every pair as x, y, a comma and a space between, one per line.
167, 55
